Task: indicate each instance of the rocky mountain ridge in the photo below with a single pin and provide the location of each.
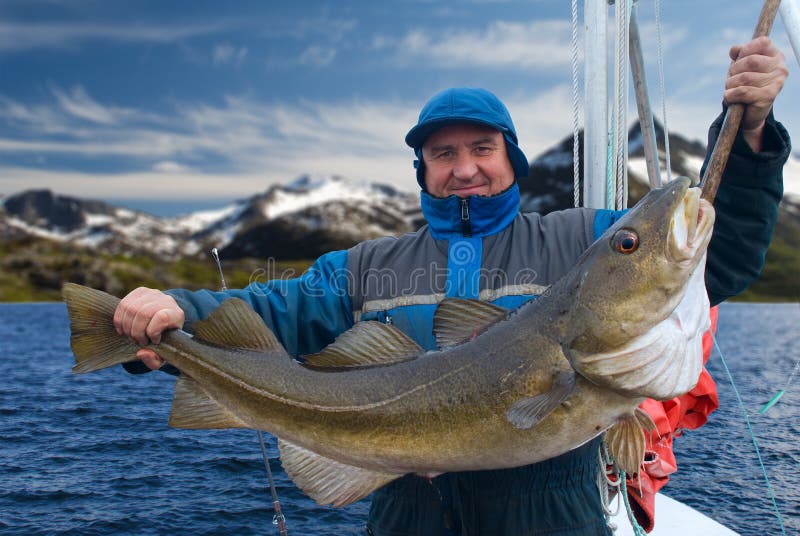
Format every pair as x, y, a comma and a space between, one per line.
308, 217
301, 219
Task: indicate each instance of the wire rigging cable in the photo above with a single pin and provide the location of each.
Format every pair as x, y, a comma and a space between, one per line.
576, 173
621, 104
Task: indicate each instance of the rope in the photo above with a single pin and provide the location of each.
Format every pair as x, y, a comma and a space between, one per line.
621, 108
752, 434
610, 163
663, 91
637, 529
605, 483
576, 174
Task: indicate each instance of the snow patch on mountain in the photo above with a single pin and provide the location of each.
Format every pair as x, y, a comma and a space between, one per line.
324, 204
195, 222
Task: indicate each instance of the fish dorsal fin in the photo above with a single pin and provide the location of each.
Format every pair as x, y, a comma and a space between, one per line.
458, 320
192, 408
329, 481
234, 324
526, 413
367, 343
625, 440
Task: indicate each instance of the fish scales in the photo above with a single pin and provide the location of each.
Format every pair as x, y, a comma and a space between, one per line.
452, 394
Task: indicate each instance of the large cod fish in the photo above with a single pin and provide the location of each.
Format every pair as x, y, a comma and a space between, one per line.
505, 389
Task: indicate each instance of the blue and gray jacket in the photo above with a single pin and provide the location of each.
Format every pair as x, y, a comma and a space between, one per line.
483, 248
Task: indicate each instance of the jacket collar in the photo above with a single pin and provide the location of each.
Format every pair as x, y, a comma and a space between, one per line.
484, 215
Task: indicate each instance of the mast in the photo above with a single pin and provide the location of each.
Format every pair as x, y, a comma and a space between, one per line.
595, 133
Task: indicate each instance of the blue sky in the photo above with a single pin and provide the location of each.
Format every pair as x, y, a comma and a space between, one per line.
199, 102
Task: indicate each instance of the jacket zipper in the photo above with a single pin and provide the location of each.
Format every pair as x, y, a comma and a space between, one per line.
466, 227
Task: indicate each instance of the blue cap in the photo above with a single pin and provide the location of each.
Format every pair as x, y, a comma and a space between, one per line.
466, 105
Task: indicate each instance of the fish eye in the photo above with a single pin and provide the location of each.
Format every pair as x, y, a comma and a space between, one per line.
625, 241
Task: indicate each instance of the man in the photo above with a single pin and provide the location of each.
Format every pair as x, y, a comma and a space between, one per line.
477, 245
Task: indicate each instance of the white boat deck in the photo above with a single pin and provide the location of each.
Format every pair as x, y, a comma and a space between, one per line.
674, 518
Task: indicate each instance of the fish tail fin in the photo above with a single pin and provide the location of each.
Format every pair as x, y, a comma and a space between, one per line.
93, 339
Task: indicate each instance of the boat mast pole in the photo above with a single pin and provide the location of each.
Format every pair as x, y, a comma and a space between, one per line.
733, 118
595, 130
790, 15
646, 123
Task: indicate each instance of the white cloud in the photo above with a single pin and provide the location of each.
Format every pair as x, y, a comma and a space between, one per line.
254, 143
317, 56
134, 185
42, 119
225, 53
20, 36
268, 143
691, 118
671, 37
541, 43
245, 138
79, 104
711, 51
272, 144
542, 119
330, 28
168, 166
72, 119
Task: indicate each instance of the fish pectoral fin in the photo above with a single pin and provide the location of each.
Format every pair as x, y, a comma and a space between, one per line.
329, 481
626, 442
457, 320
192, 408
234, 324
526, 413
367, 343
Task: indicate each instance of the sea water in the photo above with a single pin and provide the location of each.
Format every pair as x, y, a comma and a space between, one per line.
92, 454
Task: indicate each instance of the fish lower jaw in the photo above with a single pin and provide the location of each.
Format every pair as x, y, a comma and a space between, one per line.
700, 232
684, 257
689, 253
690, 228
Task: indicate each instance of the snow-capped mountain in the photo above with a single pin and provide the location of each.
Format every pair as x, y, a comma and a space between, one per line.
550, 181
296, 220
312, 215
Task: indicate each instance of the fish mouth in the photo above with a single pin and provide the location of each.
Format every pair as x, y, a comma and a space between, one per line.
690, 228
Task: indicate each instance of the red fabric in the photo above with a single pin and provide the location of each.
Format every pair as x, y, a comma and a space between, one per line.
688, 411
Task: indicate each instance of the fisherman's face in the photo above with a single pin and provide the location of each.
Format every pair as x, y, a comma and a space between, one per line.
465, 159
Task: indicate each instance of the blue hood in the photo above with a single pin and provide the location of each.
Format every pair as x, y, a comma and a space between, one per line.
466, 105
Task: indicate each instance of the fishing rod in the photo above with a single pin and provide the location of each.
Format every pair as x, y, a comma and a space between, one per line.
733, 117
710, 183
278, 519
